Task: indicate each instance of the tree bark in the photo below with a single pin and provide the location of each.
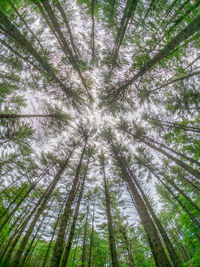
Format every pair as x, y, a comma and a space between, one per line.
195, 73
83, 256
58, 248
15, 227
155, 243
33, 247
12, 202
12, 243
66, 49
173, 151
127, 15
176, 125
113, 250
170, 248
192, 28
33, 239
11, 31
93, 24
178, 189
73, 226
148, 10
32, 187
21, 116
91, 239
128, 246
62, 13
25, 23
185, 166
193, 219
177, 161
20, 56
39, 212
52, 236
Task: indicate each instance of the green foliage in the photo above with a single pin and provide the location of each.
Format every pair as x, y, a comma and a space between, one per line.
53, 60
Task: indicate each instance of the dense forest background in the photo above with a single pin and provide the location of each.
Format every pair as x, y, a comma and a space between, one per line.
99, 133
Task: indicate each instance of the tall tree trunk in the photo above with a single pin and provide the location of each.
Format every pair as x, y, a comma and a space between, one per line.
17, 220
113, 250
26, 254
12, 243
75, 250
91, 239
127, 245
57, 28
15, 227
25, 23
148, 10
175, 125
195, 73
185, 166
155, 243
65, 47
172, 150
170, 248
185, 14
39, 212
93, 24
52, 235
21, 116
153, 238
44, 15
33, 247
6, 188
23, 187
58, 248
20, 56
127, 15
192, 28
32, 187
64, 17
182, 252
73, 226
193, 219
11, 31
83, 256
192, 203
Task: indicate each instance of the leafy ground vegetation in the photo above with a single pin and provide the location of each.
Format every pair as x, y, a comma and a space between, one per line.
99, 133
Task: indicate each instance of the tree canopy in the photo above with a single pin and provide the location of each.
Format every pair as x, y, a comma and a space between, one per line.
99, 133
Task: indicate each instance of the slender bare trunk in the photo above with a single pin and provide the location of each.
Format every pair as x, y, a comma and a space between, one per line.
65, 19
58, 248
25, 23
21, 116
73, 226
193, 219
26, 254
195, 73
52, 236
173, 151
155, 243
112, 244
11, 31
183, 35
93, 24
39, 212
23, 187
83, 256
91, 239
170, 248
185, 166
127, 245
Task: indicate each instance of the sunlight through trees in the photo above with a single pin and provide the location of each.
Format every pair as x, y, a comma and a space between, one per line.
99, 133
